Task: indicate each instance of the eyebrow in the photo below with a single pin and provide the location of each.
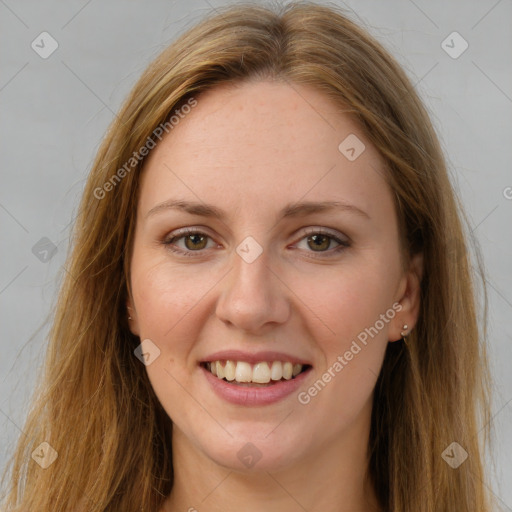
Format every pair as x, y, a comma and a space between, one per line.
289, 211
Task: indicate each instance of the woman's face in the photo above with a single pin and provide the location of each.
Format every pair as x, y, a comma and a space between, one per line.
272, 274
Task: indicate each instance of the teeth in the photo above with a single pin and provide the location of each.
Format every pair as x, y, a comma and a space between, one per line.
229, 370
276, 372
260, 373
243, 372
219, 371
287, 370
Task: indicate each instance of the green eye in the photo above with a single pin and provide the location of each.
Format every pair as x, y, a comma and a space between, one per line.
320, 241
196, 240
316, 240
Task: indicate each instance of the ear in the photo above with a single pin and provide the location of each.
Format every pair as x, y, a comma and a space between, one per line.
131, 314
408, 295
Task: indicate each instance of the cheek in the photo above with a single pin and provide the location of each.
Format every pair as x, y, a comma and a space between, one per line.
347, 303
353, 314
169, 313
166, 298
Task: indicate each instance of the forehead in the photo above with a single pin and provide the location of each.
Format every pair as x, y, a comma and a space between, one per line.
268, 142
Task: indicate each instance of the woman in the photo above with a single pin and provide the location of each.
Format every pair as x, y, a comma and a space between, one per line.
269, 304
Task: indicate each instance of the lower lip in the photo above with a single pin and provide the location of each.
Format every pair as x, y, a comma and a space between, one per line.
249, 396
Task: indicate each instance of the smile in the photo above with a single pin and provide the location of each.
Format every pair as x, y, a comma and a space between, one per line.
261, 373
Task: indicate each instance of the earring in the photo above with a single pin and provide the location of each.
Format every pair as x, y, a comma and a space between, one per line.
129, 317
404, 334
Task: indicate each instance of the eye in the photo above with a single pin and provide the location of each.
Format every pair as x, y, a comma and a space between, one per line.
320, 241
193, 239
317, 240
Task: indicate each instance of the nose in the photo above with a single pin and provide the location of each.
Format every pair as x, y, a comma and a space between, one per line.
252, 298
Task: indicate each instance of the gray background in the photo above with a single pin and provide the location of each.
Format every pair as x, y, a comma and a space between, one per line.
54, 113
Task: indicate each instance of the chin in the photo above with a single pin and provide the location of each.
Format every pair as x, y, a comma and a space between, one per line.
250, 452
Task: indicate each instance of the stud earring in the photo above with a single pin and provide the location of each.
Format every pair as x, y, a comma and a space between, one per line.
404, 334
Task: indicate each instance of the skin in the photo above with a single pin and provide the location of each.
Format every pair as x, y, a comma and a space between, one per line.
251, 149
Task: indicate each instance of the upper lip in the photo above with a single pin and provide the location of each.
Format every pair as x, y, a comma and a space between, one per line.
254, 357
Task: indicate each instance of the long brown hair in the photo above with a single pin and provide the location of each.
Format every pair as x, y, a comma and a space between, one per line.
94, 404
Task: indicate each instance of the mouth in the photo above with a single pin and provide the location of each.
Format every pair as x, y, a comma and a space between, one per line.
260, 374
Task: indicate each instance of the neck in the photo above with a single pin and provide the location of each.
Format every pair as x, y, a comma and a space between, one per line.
333, 478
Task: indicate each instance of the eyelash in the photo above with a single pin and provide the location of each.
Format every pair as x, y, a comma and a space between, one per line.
343, 244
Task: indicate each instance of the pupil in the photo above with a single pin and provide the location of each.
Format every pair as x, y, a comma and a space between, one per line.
195, 239
317, 241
